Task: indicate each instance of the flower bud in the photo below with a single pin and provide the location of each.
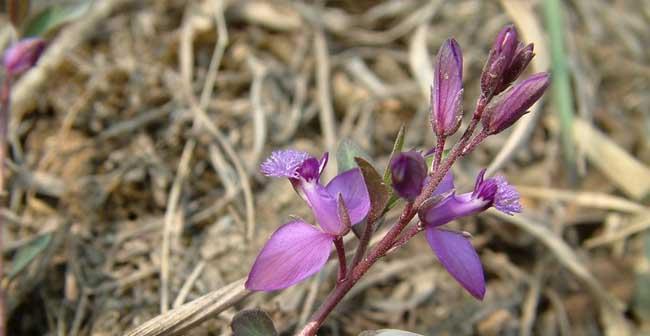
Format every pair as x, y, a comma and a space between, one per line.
23, 55
447, 90
520, 61
408, 172
499, 60
514, 103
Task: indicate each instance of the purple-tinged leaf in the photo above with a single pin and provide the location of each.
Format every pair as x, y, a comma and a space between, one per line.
252, 322
379, 193
351, 185
459, 257
294, 252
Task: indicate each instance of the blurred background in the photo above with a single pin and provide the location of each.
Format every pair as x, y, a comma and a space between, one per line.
133, 184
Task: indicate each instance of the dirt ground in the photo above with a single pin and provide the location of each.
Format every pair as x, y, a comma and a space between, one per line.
135, 146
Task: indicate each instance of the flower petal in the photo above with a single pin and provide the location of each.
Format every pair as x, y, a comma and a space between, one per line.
446, 184
284, 163
324, 207
294, 252
351, 185
506, 199
459, 257
450, 208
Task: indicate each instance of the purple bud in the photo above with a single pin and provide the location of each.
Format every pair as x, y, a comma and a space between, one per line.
499, 60
408, 172
447, 90
520, 61
514, 103
23, 55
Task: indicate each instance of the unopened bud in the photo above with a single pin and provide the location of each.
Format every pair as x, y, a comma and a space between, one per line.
499, 60
447, 90
520, 61
408, 172
514, 103
23, 55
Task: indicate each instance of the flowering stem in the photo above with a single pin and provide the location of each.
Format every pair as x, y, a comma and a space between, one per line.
410, 233
475, 141
455, 153
357, 272
343, 264
437, 155
360, 265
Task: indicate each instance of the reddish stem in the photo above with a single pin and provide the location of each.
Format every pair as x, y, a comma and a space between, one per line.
437, 155
343, 264
357, 272
410, 233
4, 122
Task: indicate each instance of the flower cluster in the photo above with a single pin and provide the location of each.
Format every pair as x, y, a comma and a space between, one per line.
298, 249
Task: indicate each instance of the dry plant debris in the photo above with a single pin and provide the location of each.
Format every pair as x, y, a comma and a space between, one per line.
135, 147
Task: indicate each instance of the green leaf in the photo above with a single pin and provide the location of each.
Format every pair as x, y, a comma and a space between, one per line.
345, 154
387, 332
377, 189
561, 78
397, 147
28, 253
54, 16
253, 322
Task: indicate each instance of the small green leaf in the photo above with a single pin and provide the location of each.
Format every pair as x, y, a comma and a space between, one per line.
28, 253
253, 322
54, 16
397, 147
345, 154
377, 189
387, 332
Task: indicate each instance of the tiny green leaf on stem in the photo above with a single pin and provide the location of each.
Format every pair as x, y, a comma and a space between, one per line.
28, 253
253, 322
53, 17
397, 147
345, 154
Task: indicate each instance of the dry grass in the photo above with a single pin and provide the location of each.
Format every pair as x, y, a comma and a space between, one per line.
136, 143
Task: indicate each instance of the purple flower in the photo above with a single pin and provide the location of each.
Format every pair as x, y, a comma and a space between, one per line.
297, 249
408, 172
453, 249
23, 55
499, 59
447, 89
514, 103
